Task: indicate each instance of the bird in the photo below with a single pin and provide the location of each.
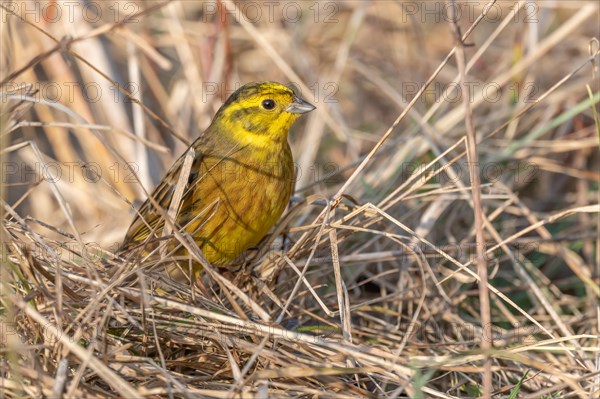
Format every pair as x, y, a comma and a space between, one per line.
241, 178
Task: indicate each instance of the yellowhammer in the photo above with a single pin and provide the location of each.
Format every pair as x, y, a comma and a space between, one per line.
239, 184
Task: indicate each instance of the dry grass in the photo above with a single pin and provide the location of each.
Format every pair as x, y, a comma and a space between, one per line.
374, 290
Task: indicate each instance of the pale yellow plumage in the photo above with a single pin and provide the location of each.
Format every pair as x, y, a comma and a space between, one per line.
240, 182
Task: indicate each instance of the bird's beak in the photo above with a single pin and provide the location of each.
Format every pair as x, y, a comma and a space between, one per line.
300, 106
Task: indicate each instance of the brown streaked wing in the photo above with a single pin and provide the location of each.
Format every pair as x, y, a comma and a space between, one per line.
147, 218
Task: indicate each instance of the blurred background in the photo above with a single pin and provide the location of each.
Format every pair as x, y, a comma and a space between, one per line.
360, 62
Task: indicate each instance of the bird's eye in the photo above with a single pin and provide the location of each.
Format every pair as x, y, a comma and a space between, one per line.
268, 104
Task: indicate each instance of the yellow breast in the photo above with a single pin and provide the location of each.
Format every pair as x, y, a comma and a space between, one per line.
242, 197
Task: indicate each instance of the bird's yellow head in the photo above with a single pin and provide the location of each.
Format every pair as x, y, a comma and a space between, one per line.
261, 113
